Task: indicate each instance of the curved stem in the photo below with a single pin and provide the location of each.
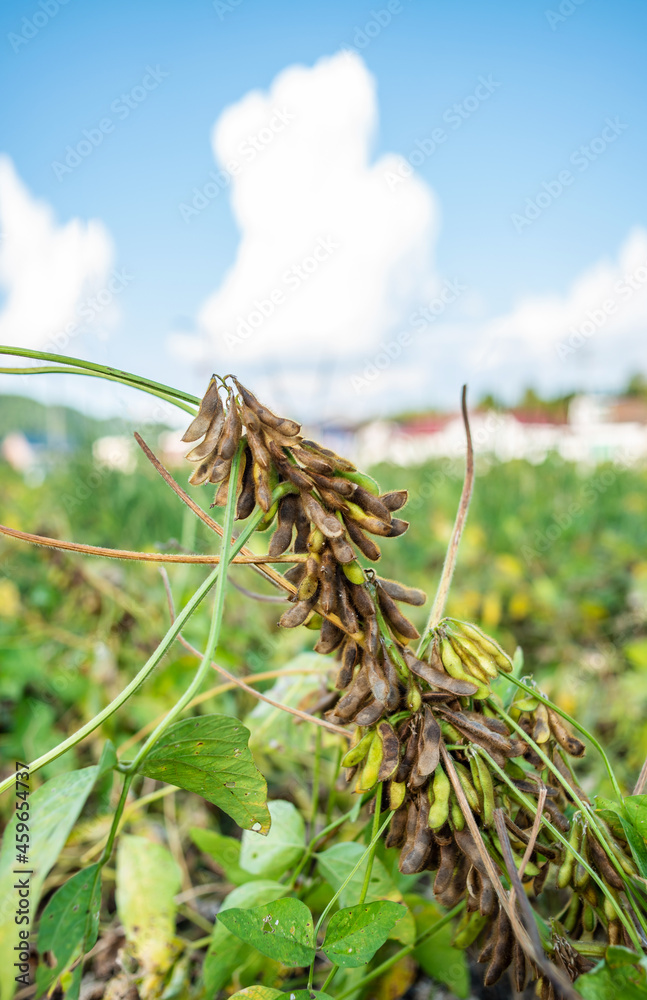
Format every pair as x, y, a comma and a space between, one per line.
68, 370
374, 839
104, 370
452, 549
129, 554
574, 723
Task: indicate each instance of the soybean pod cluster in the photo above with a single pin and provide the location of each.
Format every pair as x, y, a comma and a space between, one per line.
409, 709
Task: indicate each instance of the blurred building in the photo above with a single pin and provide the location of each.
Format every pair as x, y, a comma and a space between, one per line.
597, 429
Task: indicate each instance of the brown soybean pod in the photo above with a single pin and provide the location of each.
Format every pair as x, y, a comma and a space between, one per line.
394, 616
398, 828
351, 701
210, 406
393, 684
448, 859
344, 606
519, 968
566, 740
211, 438
329, 639
303, 529
311, 461
428, 743
259, 451
370, 713
247, 497
398, 591
342, 550
231, 432
361, 599
327, 523
376, 677
436, 678
390, 751
487, 950
282, 537
395, 500
289, 428
371, 504
295, 615
502, 953
219, 469
598, 856
410, 751
366, 545
398, 527
477, 732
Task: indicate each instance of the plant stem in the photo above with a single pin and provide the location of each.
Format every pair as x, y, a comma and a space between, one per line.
315, 782
374, 839
403, 952
574, 723
107, 851
138, 380
110, 378
348, 878
452, 549
226, 555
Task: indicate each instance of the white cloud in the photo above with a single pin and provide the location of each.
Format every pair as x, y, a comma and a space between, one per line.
593, 336
322, 234
306, 332
46, 270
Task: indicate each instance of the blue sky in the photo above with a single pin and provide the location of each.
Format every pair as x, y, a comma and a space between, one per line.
556, 79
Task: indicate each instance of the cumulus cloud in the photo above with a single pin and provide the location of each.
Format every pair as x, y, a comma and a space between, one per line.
334, 304
590, 337
329, 256
47, 270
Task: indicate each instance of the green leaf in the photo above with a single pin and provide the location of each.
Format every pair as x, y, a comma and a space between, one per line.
355, 934
282, 930
227, 952
304, 995
636, 811
436, 955
70, 920
54, 809
606, 983
148, 879
281, 849
224, 850
209, 755
108, 759
257, 993
336, 864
